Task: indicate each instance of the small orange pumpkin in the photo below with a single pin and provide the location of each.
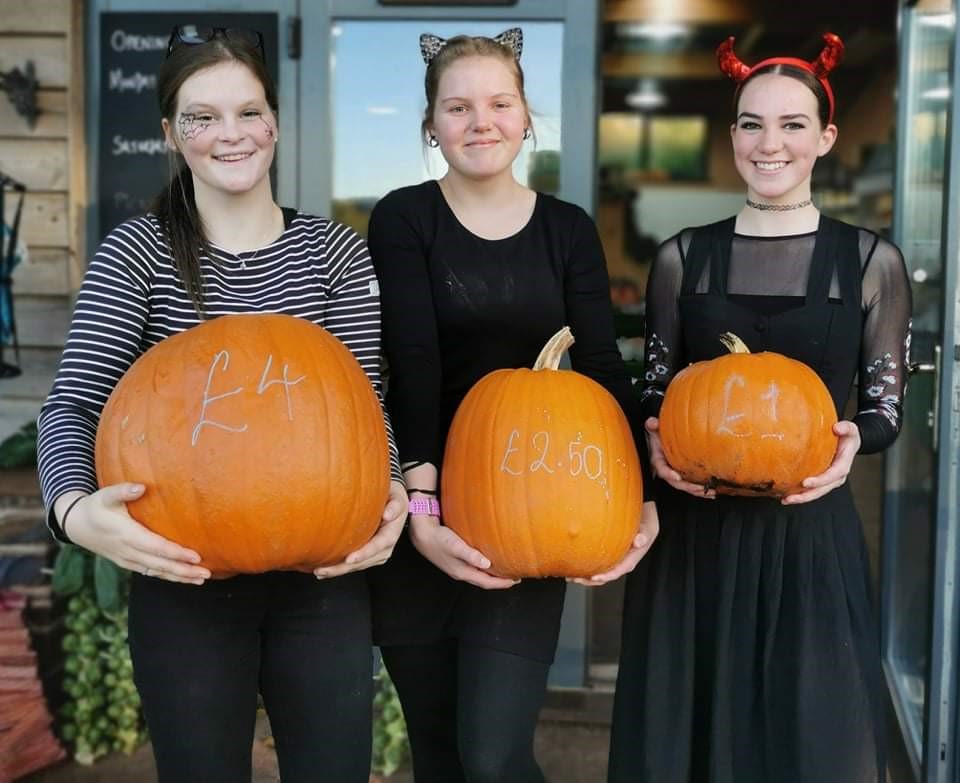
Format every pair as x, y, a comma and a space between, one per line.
748, 423
540, 471
259, 439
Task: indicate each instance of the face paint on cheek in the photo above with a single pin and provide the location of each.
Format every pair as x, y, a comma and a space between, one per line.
190, 126
269, 130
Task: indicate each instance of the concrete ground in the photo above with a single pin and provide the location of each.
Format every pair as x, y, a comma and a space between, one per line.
568, 752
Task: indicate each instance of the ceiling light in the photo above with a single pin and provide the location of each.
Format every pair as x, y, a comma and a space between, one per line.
655, 31
646, 96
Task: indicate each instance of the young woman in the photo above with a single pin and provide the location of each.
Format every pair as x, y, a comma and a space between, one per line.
216, 243
477, 272
750, 651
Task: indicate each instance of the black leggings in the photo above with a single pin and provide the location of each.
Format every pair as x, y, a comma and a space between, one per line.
471, 712
201, 654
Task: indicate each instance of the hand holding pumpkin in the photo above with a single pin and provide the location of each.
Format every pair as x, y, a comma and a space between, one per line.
379, 548
101, 523
662, 469
834, 476
452, 555
646, 534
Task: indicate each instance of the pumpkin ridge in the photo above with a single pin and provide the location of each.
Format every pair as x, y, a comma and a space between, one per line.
516, 388
461, 478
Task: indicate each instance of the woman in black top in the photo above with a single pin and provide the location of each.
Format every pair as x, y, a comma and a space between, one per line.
476, 273
750, 652
215, 243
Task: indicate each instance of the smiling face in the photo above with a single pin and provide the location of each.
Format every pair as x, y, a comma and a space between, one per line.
777, 138
479, 117
224, 128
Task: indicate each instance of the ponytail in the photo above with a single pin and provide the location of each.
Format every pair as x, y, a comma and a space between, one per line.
176, 208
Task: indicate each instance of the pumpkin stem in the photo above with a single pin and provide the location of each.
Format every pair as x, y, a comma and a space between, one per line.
733, 343
549, 358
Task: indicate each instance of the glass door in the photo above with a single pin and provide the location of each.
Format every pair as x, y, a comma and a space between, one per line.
920, 520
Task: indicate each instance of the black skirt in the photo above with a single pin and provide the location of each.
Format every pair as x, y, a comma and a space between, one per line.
750, 648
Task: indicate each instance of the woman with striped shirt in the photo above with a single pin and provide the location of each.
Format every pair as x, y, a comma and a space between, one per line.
215, 243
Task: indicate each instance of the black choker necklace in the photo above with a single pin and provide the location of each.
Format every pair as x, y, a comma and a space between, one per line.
778, 207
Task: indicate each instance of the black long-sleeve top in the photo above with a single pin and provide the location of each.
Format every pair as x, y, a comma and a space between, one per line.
456, 306
770, 274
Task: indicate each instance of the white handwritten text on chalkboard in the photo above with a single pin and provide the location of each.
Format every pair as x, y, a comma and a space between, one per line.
131, 82
121, 41
122, 146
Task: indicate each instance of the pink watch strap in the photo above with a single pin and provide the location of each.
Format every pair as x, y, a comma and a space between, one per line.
429, 506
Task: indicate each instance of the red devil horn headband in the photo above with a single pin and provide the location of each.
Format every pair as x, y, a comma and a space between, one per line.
827, 60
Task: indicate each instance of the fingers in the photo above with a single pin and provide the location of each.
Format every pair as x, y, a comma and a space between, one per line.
396, 507
374, 553
483, 579
119, 494
452, 555
459, 549
169, 570
647, 533
836, 475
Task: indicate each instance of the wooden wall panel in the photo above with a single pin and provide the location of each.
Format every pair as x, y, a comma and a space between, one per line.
44, 222
49, 57
40, 164
42, 321
44, 273
51, 121
34, 16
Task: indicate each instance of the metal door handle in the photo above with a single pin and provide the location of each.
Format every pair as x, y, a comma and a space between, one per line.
933, 417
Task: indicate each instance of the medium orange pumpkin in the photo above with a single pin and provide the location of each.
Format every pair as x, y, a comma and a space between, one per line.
259, 439
540, 471
748, 423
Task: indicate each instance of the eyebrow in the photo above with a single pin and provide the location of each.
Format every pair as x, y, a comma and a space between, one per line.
799, 115
497, 95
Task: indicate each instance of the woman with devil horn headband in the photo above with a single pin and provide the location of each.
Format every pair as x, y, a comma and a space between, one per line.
750, 651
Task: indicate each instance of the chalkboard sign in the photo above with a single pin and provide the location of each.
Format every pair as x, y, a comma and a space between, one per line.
133, 162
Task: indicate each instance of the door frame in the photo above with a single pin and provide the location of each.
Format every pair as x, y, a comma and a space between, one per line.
939, 761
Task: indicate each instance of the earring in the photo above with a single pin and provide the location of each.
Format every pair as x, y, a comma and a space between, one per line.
433, 141
527, 133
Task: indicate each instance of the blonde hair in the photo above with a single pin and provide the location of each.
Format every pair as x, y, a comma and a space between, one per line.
456, 48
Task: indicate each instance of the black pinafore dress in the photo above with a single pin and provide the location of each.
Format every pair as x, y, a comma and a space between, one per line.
750, 648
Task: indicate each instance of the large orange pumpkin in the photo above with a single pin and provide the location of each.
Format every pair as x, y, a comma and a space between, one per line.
540, 471
748, 423
259, 439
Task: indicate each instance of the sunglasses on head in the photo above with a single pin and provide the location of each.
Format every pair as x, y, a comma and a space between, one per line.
195, 34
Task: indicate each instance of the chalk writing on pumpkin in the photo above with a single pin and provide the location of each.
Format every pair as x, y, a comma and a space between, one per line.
583, 458
287, 383
223, 357
772, 394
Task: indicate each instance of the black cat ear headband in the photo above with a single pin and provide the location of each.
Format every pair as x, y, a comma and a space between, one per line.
430, 45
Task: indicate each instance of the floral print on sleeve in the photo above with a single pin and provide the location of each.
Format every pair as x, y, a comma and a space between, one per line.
882, 384
656, 367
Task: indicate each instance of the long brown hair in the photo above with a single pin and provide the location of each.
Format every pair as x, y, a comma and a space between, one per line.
176, 206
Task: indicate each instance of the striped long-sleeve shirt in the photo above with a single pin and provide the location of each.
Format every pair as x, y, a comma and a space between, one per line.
132, 298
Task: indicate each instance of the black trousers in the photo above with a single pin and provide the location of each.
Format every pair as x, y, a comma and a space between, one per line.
471, 711
201, 654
